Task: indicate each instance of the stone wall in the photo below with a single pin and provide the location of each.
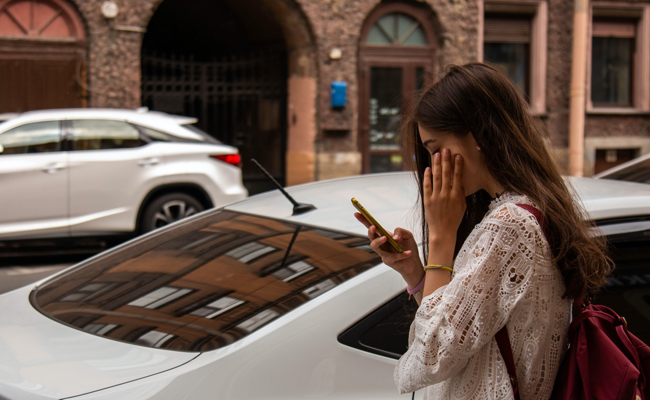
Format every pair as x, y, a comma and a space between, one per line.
113, 48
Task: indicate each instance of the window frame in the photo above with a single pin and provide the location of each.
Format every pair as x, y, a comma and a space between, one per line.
62, 138
538, 11
640, 101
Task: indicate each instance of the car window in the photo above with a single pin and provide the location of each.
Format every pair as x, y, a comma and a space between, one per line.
627, 291
385, 330
206, 283
104, 134
206, 135
158, 136
155, 135
639, 172
38, 137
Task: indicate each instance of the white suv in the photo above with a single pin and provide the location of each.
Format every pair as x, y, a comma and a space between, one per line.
93, 172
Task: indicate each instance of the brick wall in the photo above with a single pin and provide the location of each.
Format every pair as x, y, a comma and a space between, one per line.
113, 52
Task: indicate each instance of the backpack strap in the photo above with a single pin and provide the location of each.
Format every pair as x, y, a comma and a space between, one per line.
503, 341
502, 337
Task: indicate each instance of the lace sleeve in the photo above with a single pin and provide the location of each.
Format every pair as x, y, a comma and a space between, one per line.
492, 273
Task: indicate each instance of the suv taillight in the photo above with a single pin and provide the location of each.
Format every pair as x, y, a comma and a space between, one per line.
232, 159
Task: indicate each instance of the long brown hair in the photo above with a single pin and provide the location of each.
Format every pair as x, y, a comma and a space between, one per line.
477, 99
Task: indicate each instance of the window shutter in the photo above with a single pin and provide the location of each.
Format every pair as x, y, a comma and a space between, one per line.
618, 29
507, 30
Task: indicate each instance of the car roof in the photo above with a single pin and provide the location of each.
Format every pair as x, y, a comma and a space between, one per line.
392, 199
142, 116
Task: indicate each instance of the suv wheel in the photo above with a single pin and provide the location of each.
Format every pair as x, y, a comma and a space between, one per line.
169, 208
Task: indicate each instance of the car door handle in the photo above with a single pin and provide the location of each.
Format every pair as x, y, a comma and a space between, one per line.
53, 167
149, 161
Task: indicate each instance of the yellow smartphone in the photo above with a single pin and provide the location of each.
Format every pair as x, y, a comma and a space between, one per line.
374, 222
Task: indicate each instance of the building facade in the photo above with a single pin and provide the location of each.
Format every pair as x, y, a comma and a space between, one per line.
259, 74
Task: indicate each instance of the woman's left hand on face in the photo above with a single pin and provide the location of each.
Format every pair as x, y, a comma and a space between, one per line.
444, 196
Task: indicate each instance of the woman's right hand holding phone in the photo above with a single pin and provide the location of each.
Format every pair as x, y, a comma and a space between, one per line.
407, 263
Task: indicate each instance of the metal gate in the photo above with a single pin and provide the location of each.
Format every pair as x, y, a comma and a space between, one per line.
240, 100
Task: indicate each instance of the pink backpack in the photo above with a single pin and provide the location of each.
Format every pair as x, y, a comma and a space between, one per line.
605, 361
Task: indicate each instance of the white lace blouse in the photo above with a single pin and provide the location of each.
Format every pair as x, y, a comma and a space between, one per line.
503, 275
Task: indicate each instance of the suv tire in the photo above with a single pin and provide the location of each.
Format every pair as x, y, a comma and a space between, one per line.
169, 208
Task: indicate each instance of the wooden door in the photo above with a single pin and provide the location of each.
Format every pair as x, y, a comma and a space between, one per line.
41, 55
396, 58
389, 89
34, 84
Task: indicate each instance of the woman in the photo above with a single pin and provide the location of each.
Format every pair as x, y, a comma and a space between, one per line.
478, 157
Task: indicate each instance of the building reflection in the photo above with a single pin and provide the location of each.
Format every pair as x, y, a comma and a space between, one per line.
206, 283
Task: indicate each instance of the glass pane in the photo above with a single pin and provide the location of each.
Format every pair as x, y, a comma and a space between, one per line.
376, 36
511, 59
417, 38
405, 25
385, 162
627, 290
387, 23
409, 31
104, 134
385, 101
611, 71
397, 27
39, 137
164, 280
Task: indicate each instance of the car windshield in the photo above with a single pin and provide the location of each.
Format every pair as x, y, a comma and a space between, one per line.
639, 172
204, 284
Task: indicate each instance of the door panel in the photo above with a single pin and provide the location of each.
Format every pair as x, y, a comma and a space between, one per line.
34, 179
111, 169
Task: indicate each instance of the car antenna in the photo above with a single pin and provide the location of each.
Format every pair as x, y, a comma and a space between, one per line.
298, 208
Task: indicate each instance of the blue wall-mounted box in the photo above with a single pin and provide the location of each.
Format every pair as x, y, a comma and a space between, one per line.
339, 90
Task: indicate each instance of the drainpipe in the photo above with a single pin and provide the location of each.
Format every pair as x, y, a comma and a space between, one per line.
578, 82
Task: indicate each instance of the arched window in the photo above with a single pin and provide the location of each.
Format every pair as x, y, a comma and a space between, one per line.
42, 55
396, 54
39, 19
397, 29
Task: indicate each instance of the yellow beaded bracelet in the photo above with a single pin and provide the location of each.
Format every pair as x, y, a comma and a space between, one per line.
436, 266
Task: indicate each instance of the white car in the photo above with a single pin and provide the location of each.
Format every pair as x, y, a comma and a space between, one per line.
94, 172
251, 302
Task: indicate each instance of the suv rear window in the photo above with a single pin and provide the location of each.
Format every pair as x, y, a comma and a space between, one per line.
204, 284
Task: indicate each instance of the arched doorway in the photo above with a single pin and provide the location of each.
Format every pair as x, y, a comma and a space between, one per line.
396, 57
41, 55
224, 63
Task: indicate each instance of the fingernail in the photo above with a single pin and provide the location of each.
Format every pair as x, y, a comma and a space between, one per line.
436, 156
458, 157
427, 169
446, 151
396, 237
